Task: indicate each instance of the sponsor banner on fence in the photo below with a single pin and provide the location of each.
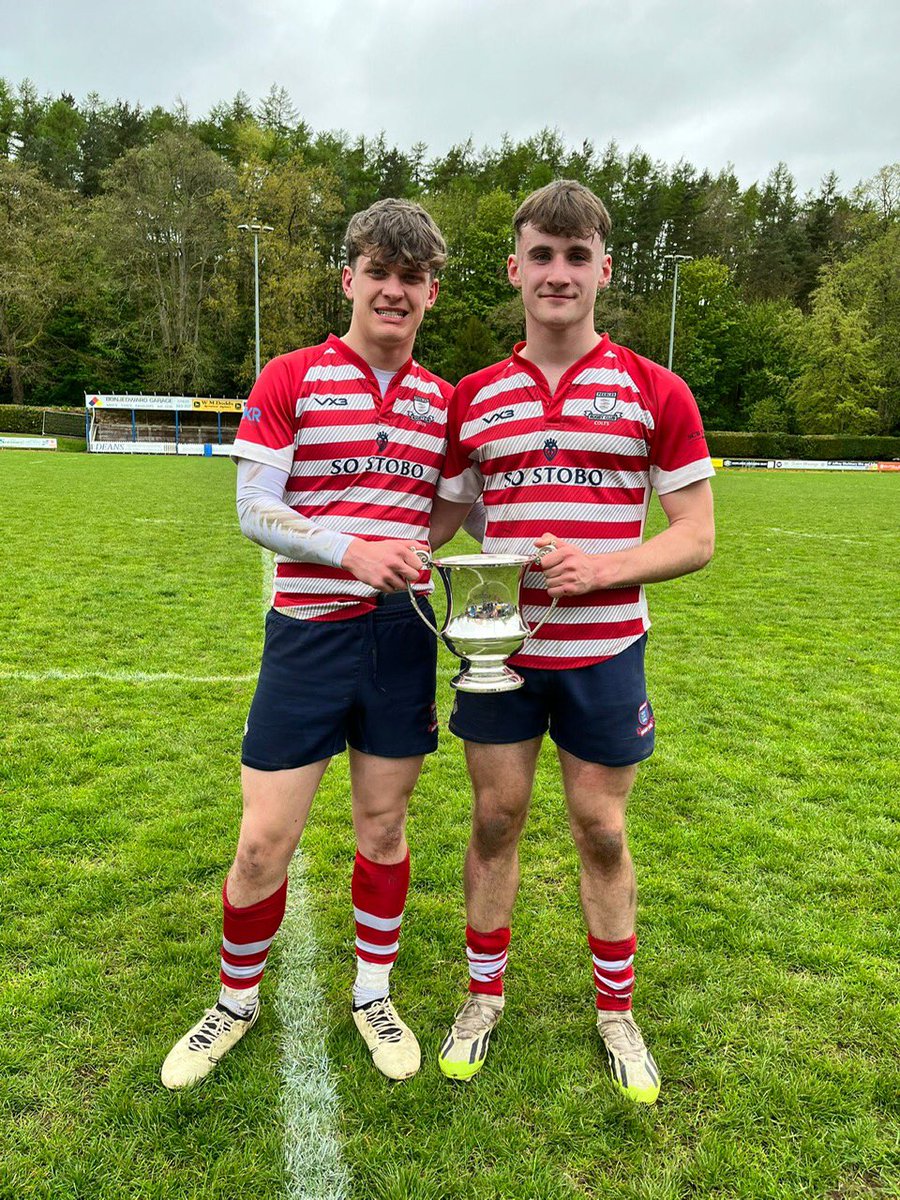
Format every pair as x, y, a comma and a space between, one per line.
163, 403
799, 464
811, 464
891, 466
195, 449
747, 462
27, 443
236, 406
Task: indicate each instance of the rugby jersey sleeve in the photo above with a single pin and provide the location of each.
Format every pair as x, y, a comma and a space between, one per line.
678, 452
266, 431
461, 479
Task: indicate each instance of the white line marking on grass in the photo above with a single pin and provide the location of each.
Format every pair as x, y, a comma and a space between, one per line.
309, 1095
122, 677
824, 537
312, 1152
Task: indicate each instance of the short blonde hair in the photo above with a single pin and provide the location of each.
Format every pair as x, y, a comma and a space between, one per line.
396, 233
564, 208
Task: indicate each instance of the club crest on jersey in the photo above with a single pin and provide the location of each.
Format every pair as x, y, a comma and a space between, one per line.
421, 410
550, 449
603, 407
381, 440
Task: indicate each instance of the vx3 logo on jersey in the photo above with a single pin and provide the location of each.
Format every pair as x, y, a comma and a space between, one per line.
504, 415
381, 440
604, 407
550, 449
331, 401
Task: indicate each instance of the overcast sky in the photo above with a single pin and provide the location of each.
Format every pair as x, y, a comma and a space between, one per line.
815, 83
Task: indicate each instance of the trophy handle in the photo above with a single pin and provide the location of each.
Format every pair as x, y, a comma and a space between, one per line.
428, 562
544, 550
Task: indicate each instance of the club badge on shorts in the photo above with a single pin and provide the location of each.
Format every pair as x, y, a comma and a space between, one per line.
646, 719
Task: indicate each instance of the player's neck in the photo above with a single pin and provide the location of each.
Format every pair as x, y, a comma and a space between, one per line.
553, 351
380, 357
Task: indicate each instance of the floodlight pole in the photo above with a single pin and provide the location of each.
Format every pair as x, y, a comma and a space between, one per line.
256, 229
676, 258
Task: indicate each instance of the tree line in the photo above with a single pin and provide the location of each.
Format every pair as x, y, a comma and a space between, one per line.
122, 267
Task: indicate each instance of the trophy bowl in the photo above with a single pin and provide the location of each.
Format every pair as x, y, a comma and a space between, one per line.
484, 625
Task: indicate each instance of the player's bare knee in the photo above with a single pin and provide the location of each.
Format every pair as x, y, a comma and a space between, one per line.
260, 859
496, 833
602, 846
382, 841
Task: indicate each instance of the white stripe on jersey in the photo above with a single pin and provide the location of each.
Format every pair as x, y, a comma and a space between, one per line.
510, 545
309, 583
525, 410
427, 387
337, 371
596, 614
545, 510
507, 384
420, 439
566, 439
595, 648
624, 410
610, 376
354, 526
357, 495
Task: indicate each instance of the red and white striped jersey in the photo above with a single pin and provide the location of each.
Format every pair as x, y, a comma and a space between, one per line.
359, 463
580, 463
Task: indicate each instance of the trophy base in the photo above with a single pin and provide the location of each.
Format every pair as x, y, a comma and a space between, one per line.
485, 679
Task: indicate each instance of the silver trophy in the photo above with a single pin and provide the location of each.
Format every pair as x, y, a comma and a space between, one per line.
484, 624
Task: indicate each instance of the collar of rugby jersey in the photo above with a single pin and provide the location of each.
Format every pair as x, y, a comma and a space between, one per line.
382, 403
553, 402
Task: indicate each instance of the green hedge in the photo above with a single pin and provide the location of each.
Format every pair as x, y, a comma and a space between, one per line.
19, 418
829, 447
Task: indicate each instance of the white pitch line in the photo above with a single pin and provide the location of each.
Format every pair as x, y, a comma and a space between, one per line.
315, 1170
822, 537
312, 1152
121, 677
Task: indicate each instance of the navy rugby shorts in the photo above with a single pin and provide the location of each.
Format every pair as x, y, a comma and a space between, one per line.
600, 713
368, 681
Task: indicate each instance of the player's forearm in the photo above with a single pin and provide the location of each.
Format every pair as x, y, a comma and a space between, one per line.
279, 528
447, 518
678, 550
267, 520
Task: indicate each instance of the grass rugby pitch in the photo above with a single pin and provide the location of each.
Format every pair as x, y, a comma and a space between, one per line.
765, 830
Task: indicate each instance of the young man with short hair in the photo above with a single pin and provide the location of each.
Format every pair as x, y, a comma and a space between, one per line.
564, 441
338, 454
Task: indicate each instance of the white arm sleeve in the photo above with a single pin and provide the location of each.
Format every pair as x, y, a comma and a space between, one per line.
268, 521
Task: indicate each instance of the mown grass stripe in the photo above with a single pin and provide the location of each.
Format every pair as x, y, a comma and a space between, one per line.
312, 1153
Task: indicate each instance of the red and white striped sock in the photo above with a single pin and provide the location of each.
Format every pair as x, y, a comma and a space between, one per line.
613, 972
487, 955
247, 934
379, 896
